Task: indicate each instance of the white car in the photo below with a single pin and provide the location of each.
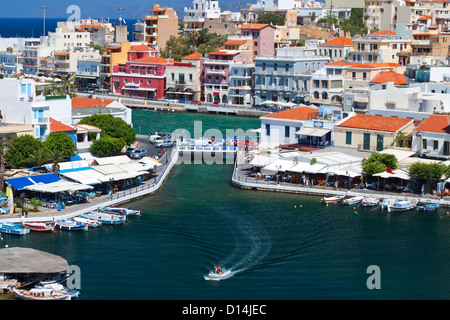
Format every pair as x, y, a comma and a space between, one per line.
154, 138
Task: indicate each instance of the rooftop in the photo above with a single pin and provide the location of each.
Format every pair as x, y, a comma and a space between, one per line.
255, 26
153, 60
56, 126
377, 123
341, 41
390, 76
435, 123
89, 102
300, 113
193, 56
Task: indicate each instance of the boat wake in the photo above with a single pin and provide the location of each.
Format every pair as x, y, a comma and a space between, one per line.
252, 245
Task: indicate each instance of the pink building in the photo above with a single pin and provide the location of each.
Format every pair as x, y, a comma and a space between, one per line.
215, 70
263, 36
143, 77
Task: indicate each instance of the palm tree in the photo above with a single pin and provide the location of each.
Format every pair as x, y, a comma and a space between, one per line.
39, 157
3, 144
56, 156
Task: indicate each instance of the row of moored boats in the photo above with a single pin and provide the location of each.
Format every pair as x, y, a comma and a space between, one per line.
96, 218
389, 204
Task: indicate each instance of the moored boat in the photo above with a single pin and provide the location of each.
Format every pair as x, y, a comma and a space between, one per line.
13, 228
39, 226
353, 200
428, 207
70, 225
92, 223
103, 217
53, 291
334, 199
370, 201
119, 210
402, 205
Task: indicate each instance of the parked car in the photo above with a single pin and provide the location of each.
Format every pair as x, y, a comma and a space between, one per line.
216, 103
195, 102
154, 138
164, 144
138, 154
130, 150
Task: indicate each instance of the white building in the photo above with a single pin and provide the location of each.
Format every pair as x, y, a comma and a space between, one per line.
195, 16
20, 105
432, 137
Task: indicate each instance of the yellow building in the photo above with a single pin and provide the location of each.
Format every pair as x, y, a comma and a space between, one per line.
116, 53
378, 49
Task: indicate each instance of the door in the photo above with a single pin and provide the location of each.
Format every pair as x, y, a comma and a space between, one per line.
446, 148
366, 141
380, 140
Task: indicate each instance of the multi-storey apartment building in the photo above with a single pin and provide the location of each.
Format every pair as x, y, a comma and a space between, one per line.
115, 54
141, 78
66, 62
263, 36
215, 73
201, 10
286, 76
160, 25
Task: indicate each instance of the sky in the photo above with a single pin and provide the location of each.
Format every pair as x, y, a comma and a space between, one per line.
95, 8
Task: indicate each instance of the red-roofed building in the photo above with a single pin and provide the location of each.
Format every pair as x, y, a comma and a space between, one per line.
336, 49
141, 51
299, 127
143, 77
432, 137
370, 132
378, 48
390, 76
263, 36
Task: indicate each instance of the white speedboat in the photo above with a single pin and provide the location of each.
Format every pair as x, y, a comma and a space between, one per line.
370, 202
92, 223
334, 199
221, 274
119, 210
353, 200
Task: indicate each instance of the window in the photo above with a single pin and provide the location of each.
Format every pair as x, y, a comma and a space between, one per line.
424, 144
286, 131
267, 129
435, 144
348, 137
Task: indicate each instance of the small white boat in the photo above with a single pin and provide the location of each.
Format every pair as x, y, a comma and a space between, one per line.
70, 225
104, 218
92, 223
353, 200
221, 274
332, 199
122, 211
53, 291
39, 226
402, 205
370, 202
13, 228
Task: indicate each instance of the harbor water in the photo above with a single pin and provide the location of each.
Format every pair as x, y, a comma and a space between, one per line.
278, 246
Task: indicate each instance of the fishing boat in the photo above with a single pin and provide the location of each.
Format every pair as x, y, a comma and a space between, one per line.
332, 199
52, 291
39, 226
71, 225
13, 228
402, 205
103, 217
370, 201
92, 223
122, 211
353, 200
428, 207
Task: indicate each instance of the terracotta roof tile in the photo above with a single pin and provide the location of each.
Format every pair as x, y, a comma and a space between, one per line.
382, 33
235, 42
153, 60
89, 102
390, 76
299, 113
435, 123
255, 26
56, 126
341, 41
377, 123
341, 63
193, 56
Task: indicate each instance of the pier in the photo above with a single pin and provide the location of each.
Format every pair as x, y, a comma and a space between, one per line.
241, 178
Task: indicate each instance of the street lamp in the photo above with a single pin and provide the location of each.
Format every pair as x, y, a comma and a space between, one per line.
44, 8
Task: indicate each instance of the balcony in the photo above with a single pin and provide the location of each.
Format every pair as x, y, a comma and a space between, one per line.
39, 120
215, 71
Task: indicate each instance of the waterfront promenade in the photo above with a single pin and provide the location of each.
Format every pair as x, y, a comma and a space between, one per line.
242, 178
148, 187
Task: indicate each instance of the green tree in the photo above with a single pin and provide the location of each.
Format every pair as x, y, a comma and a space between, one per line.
379, 162
176, 48
112, 127
431, 172
20, 149
62, 142
39, 157
107, 146
56, 156
271, 18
